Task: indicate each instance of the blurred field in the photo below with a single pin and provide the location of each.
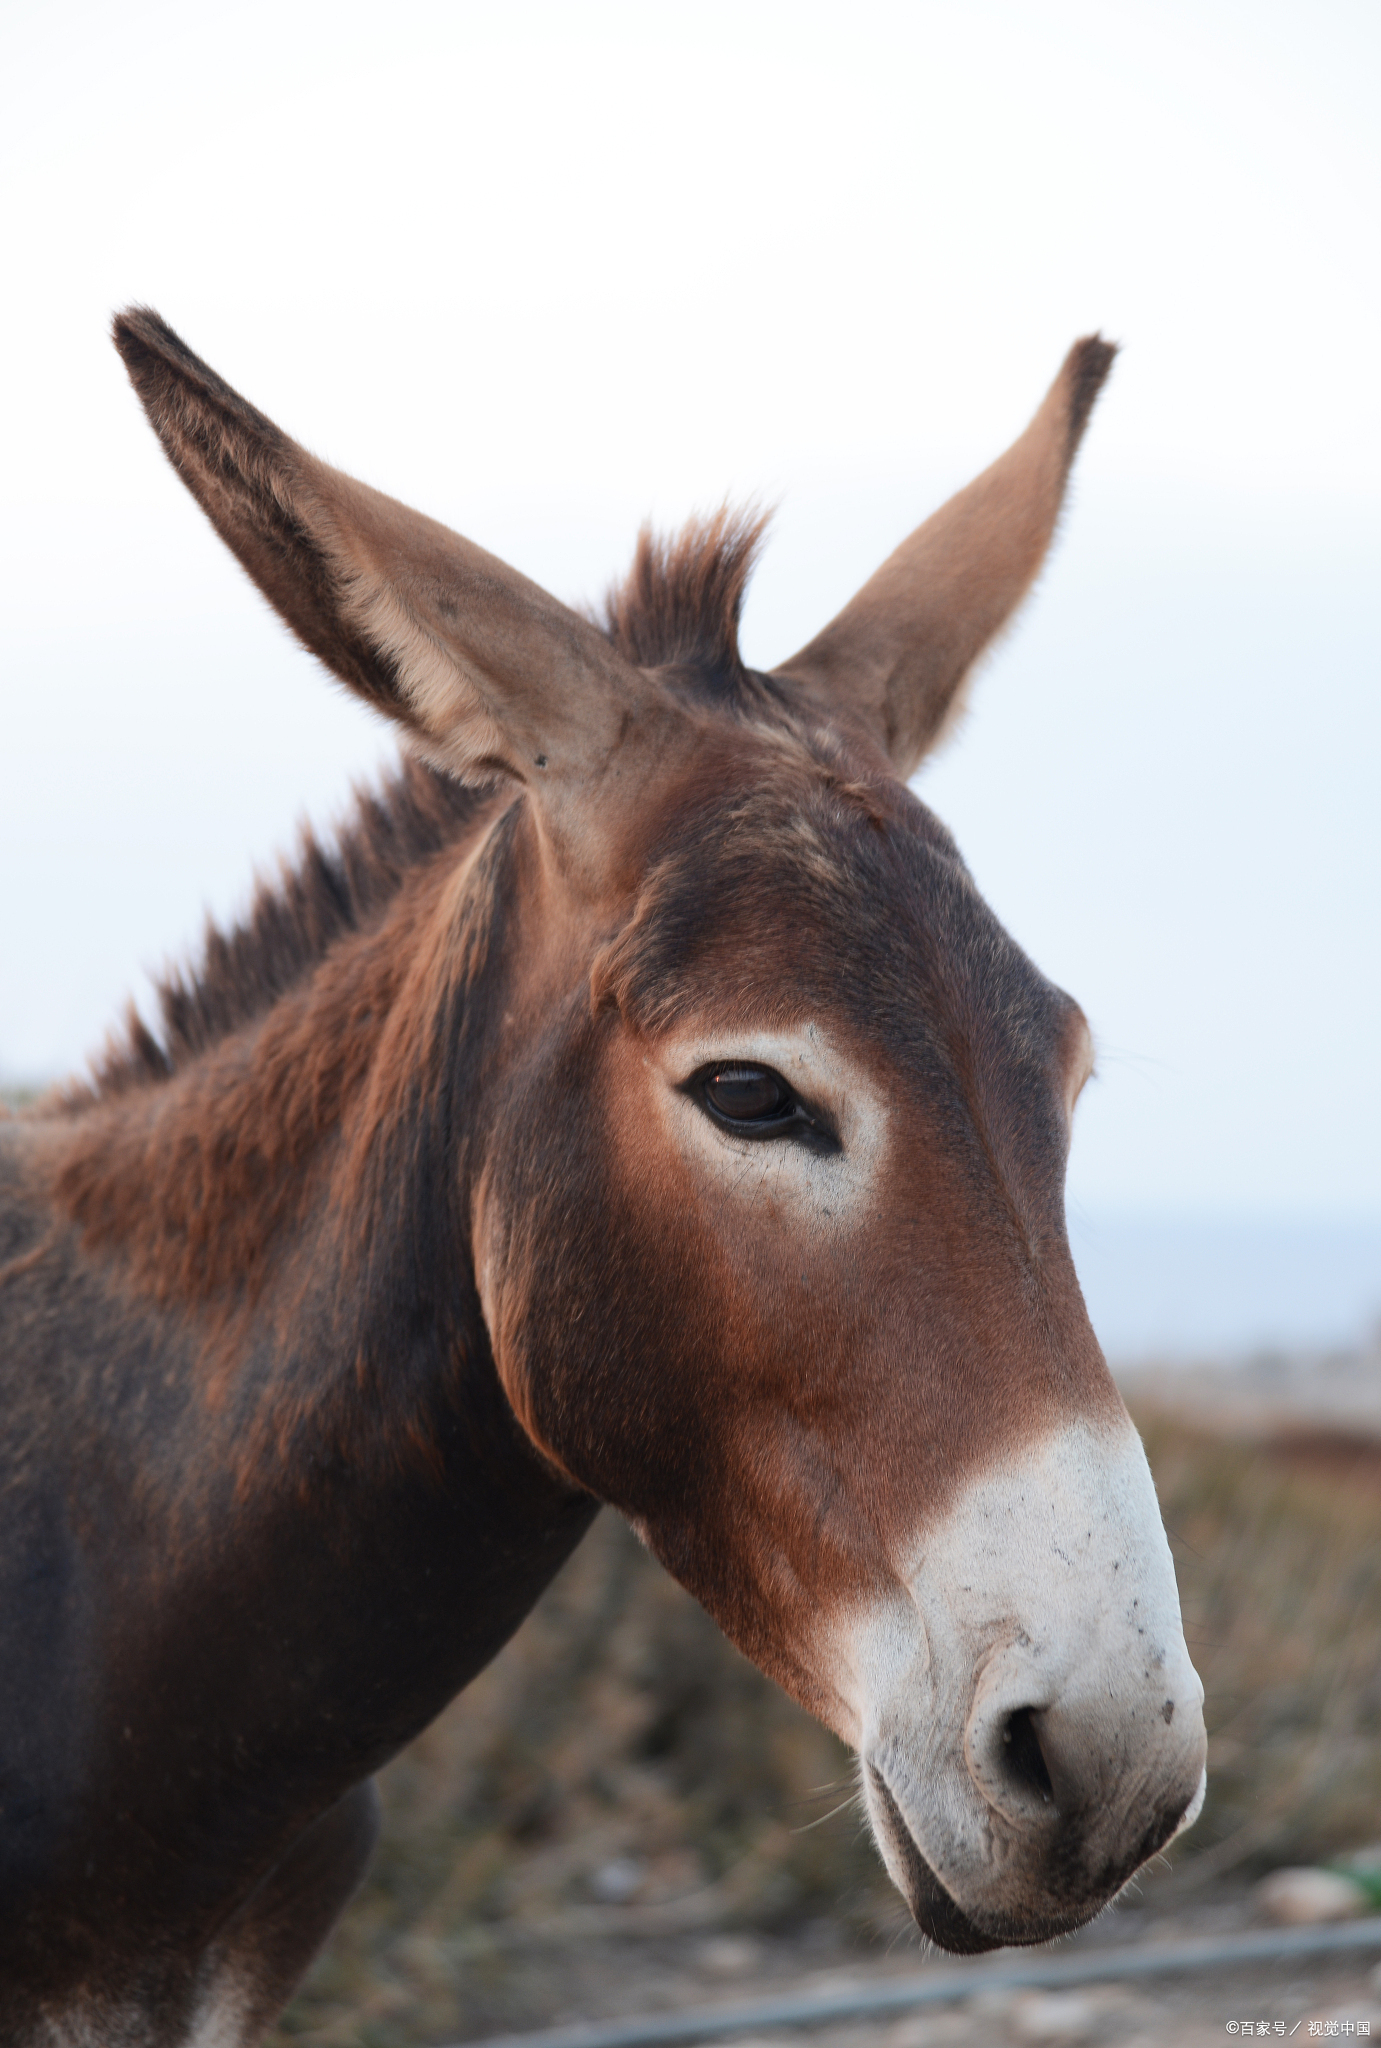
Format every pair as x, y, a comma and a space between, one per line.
1278, 1549
621, 1788
618, 1773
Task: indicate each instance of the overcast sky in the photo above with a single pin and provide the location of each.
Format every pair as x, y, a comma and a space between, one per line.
545, 270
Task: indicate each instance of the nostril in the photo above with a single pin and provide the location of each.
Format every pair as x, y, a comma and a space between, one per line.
1022, 1757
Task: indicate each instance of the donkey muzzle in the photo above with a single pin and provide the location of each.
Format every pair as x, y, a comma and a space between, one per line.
1045, 1735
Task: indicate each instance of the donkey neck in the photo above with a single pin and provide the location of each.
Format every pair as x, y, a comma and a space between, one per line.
201, 1185
287, 1212
270, 1246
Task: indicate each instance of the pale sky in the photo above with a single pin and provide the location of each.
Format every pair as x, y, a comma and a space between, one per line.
544, 270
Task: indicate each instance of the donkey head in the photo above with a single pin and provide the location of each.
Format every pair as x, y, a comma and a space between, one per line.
766, 1171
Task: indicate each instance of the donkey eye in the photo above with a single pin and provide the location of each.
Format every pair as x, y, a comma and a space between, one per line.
755, 1102
748, 1095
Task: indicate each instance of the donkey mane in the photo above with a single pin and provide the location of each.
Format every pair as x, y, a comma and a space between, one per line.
679, 604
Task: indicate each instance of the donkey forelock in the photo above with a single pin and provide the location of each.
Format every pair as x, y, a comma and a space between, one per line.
682, 599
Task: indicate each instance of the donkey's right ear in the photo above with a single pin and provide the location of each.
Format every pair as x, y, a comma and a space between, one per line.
487, 672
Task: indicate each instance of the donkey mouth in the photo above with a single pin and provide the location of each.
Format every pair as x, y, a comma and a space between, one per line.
1056, 1907
932, 1908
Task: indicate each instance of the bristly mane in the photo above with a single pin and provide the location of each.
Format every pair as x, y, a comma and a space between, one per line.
679, 604
681, 601
292, 924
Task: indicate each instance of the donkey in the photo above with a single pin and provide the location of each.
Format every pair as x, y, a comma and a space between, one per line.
636, 1104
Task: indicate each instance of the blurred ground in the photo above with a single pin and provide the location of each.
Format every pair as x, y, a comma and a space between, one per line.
621, 1815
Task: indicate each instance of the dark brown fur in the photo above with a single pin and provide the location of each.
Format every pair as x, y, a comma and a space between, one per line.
681, 601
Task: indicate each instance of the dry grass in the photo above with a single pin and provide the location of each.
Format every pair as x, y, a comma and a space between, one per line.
619, 1743
1278, 1549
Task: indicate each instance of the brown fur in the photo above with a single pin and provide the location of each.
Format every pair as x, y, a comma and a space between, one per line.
681, 601
331, 892
345, 1290
238, 464
903, 648
679, 604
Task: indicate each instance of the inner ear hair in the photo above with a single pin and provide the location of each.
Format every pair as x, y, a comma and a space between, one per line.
483, 669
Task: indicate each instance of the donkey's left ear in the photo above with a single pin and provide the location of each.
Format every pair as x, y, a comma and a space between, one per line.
485, 671
901, 650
